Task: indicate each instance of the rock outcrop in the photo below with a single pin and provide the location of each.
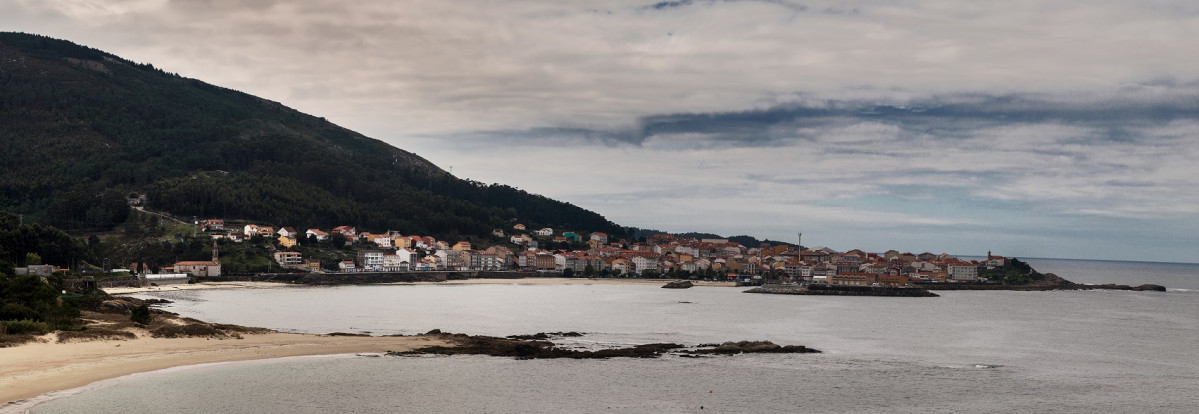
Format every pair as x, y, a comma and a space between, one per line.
678, 284
528, 348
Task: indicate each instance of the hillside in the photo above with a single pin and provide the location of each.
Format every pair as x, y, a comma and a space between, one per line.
83, 129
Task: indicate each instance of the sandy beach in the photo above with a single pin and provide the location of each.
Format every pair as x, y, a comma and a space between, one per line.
576, 281
522, 281
194, 286
34, 369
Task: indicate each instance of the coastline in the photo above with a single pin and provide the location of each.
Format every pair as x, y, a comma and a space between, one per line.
35, 369
31, 370
521, 281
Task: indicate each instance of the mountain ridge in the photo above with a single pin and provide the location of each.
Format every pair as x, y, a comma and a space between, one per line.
84, 128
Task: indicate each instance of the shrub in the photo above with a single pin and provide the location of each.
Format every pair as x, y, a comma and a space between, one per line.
14, 311
141, 315
23, 327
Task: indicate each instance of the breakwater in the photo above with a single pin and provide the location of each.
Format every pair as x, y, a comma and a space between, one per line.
843, 290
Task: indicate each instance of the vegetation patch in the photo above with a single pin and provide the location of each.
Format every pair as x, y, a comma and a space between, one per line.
187, 331
95, 335
14, 340
24, 327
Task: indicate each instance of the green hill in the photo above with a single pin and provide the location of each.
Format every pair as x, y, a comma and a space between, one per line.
83, 129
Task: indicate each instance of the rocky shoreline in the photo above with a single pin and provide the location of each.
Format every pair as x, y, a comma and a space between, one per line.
842, 290
537, 346
1044, 282
1048, 282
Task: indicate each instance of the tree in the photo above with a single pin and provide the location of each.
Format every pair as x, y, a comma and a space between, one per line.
589, 270
568, 272
338, 240
32, 259
141, 315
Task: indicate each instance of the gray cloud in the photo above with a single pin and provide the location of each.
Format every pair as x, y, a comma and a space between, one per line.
860, 120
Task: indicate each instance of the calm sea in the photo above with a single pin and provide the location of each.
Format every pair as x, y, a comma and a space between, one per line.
1066, 352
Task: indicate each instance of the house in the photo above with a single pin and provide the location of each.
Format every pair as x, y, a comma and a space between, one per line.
319, 235
497, 232
213, 225
266, 232
312, 265
601, 238
545, 232
451, 259
518, 227
348, 231
393, 263
617, 264
288, 232
250, 230
461, 246
384, 242
407, 256
199, 268
289, 260
346, 266
287, 242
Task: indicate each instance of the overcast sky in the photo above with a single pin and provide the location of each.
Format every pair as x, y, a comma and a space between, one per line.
1028, 128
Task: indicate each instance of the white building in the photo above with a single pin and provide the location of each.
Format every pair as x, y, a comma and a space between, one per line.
370, 261
393, 263
642, 263
968, 272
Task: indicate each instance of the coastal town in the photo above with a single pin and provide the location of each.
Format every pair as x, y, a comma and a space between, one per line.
552, 252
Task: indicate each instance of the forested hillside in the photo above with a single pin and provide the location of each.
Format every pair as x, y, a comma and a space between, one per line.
83, 129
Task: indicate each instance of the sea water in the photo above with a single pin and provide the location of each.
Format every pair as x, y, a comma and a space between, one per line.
966, 351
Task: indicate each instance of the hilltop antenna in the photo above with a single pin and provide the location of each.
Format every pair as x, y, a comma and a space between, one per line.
799, 241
